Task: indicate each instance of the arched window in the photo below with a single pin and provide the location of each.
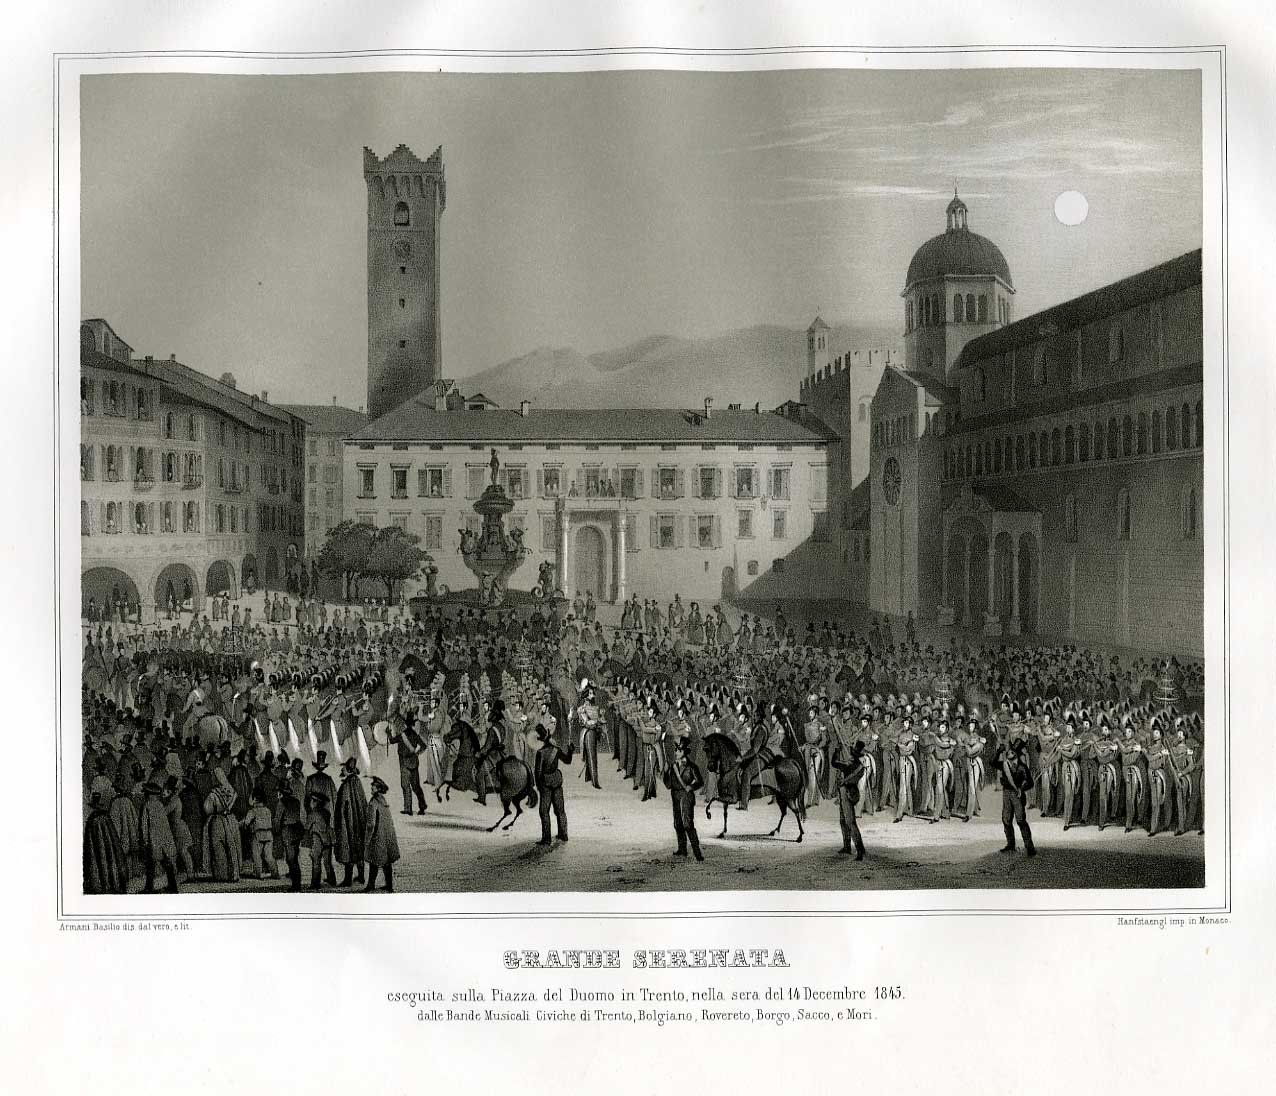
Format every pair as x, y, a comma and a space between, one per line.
959, 313
402, 218
1156, 431
85, 528
1098, 441
1056, 447
1114, 439
1116, 343
937, 306
1191, 514
1127, 436
1200, 427
1070, 519
1085, 442
983, 308
863, 412
979, 460
1069, 446
930, 357
112, 517
1185, 426
988, 457
970, 463
1043, 452
1032, 450
925, 310
996, 455
1143, 433
970, 308
1039, 375
908, 315
168, 425
1171, 428
1123, 522
166, 515
1019, 453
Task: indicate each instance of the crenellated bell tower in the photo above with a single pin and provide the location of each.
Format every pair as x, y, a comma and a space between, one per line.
406, 198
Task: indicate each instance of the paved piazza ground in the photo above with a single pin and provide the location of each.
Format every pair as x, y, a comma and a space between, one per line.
623, 845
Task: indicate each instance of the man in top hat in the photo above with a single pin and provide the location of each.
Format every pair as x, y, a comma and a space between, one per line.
408, 746
159, 849
381, 843
549, 784
683, 780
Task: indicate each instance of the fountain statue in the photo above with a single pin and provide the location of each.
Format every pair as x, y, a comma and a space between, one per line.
493, 554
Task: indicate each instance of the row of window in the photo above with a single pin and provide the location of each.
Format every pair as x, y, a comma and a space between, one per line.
119, 400
1181, 427
329, 498
664, 531
139, 464
902, 429
140, 517
331, 473
707, 482
930, 309
333, 449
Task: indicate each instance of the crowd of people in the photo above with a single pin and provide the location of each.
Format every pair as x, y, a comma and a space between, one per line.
208, 743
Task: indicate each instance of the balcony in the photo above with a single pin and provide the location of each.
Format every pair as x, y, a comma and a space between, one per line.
189, 483
233, 489
273, 488
143, 483
111, 476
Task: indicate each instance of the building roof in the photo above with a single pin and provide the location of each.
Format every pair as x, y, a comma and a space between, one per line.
1143, 384
193, 385
957, 252
416, 420
1159, 281
324, 418
933, 386
818, 324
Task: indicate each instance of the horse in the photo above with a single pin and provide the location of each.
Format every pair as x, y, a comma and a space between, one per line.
786, 780
515, 785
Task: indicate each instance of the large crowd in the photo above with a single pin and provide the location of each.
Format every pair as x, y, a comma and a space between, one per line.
221, 746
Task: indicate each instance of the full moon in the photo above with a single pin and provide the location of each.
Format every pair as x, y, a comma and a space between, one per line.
1071, 207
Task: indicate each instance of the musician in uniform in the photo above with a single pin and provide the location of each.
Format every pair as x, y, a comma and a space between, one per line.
549, 784
683, 780
906, 750
1134, 775
1107, 755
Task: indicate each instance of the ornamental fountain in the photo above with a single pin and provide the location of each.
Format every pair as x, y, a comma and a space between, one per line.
493, 554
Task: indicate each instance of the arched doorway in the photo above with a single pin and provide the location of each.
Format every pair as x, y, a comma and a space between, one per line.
1029, 581
113, 593
591, 561
221, 579
177, 584
728, 583
248, 572
272, 566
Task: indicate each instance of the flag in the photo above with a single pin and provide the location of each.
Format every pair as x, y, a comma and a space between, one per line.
363, 752
314, 742
294, 743
274, 738
336, 745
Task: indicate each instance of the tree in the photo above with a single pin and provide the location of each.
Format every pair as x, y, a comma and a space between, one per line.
346, 551
395, 557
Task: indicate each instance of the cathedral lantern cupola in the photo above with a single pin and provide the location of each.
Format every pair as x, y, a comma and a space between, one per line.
958, 287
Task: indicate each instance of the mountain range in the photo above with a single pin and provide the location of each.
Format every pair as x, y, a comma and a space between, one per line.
761, 364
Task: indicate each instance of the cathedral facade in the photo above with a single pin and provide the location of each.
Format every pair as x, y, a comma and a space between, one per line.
1045, 475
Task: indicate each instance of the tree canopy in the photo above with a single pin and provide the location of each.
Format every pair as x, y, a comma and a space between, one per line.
355, 550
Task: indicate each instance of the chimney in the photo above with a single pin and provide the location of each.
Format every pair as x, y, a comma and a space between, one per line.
708, 408
172, 357
440, 400
334, 401
228, 379
524, 408
757, 408
265, 396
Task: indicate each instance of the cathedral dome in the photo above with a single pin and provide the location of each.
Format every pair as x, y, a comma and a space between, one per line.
957, 252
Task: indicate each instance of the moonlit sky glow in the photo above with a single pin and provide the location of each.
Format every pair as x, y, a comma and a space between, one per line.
223, 217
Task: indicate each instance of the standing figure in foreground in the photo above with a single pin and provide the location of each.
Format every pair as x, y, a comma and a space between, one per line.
549, 785
381, 846
851, 767
1016, 782
683, 780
